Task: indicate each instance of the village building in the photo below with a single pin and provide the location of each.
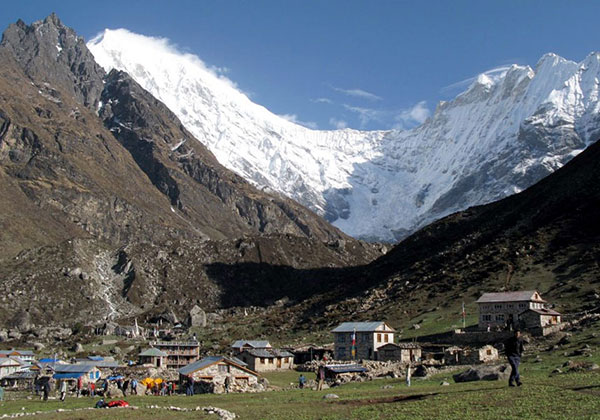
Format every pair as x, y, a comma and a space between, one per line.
71, 373
154, 357
241, 345
368, 338
455, 355
311, 352
9, 365
179, 353
343, 373
263, 360
401, 352
215, 374
539, 318
24, 355
503, 310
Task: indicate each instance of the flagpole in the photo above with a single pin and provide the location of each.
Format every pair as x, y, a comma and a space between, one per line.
464, 315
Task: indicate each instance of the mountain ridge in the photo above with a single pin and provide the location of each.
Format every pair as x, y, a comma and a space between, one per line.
501, 135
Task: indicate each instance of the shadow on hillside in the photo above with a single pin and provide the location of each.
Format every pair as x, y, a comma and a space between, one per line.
260, 284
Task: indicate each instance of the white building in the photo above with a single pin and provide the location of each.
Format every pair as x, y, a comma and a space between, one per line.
369, 336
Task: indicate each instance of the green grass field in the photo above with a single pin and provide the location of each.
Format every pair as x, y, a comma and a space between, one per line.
565, 396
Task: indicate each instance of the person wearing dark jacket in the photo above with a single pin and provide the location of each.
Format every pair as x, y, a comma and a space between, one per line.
514, 349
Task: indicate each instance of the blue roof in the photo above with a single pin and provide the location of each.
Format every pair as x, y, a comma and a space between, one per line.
72, 375
49, 360
96, 358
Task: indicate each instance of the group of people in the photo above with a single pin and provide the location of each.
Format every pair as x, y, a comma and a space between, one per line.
161, 389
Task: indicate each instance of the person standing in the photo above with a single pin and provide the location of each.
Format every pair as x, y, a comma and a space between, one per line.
321, 377
408, 374
79, 386
301, 381
134, 386
63, 390
514, 348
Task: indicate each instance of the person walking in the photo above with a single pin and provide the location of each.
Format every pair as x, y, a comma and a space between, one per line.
45, 391
79, 386
63, 390
408, 374
514, 348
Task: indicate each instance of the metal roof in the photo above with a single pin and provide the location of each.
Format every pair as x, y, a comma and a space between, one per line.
4, 360
346, 327
81, 368
153, 352
20, 352
520, 296
257, 344
208, 361
269, 353
346, 368
200, 364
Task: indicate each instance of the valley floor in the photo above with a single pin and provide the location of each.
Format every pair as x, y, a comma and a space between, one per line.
562, 396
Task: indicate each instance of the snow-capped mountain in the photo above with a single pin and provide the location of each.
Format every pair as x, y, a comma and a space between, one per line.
505, 132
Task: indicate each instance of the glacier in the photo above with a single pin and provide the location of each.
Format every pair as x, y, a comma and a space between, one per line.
506, 131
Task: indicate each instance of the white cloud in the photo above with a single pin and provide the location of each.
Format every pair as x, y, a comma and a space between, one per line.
408, 118
494, 74
358, 93
294, 119
366, 115
338, 124
398, 119
322, 101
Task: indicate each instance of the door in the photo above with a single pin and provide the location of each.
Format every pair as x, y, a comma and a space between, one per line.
279, 363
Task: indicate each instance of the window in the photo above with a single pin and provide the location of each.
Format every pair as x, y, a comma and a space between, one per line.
522, 305
488, 352
270, 361
497, 306
486, 317
385, 338
500, 317
263, 360
285, 360
341, 338
379, 338
223, 368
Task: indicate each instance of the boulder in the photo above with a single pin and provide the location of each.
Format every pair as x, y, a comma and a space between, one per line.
444, 383
483, 373
38, 346
420, 371
197, 317
77, 348
330, 397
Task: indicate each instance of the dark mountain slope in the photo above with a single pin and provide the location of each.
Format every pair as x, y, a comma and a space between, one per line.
545, 238
109, 208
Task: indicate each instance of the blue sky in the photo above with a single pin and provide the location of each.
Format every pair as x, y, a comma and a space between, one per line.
360, 64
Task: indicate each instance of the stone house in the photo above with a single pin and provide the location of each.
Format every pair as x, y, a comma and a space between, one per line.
263, 360
401, 352
211, 375
469, 356
154, 357
502, 310
179, 353
241, 345
539, 318
369, 337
